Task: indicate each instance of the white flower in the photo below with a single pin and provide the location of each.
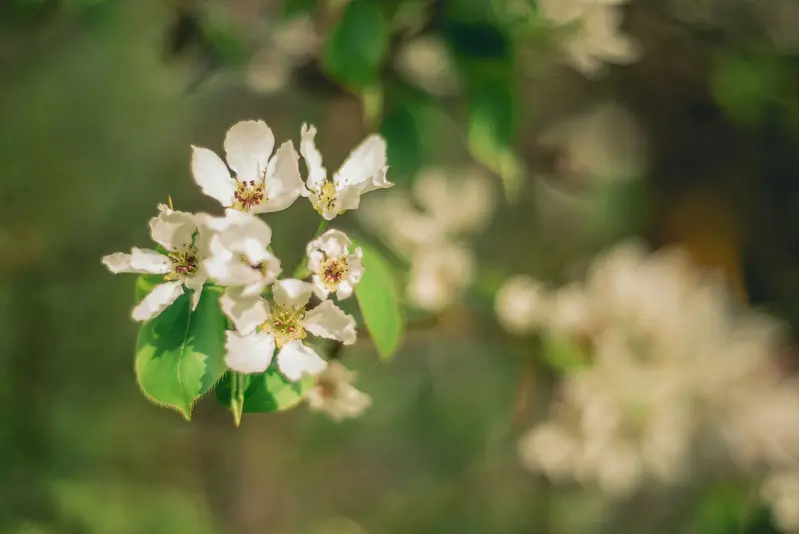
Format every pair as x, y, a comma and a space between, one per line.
239, 258
335, 395
521, 305
363, 171
439, 274
262, 183
592, 36
460, 200
336, 269
287, 325
403, 227
677, 368
186, 248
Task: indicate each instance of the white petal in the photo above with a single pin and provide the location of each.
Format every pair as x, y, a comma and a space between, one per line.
363, 163
246, 312
212, 175
317, 174
319, 287
140, 261
296, 360
249, 354
291, 293
118, 262
248, 145
195, 283
157, 301
283, 181
173, 229
329, 321
345, 290
334, 243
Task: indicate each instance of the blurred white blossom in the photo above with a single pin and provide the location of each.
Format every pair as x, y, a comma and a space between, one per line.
428, 226
521, 305
602, 145
781, 492
426, 62
590, 35
334, 393
288, 44
677, 366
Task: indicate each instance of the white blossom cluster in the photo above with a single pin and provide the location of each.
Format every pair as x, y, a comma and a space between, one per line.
677, 369
591, 37
270, 317
454, 204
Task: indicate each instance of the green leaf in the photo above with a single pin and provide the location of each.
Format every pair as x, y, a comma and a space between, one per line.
357, 44
269, 391
404, 140
745, 83
492, 130
563, 354
379, 299
180, 352
294, 8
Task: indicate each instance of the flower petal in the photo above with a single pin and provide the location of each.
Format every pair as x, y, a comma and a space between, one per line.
363, 163
334, 243
296, 360
246, 312
329, 321
212, 175
345, 290
292, 293
172, 229
248, 145
142, 261
250, 353
317, 174
157, 301
283, 181
195, 283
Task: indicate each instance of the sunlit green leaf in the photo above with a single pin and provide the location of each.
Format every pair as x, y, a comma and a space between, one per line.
180, 353
357, 44
265, 392
379, 299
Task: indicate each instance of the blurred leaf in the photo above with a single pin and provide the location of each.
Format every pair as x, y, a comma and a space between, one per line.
114, 507
222, 41
728, 509
563, 354
401, 131
372, 102
269, 391
357, 44
492, 128
477, 40
379, 299
294, 8
617, 209
180, 353
744, 83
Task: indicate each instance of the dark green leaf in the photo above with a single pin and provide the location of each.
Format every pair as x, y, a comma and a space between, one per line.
293, 8
477, 40
180, 353
378, 298
357, 44
265, 392
401, 131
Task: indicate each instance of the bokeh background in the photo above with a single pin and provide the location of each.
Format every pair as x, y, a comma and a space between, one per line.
677, 123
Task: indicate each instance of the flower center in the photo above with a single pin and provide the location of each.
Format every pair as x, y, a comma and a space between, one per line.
334, 270
258, 267
327, 388
326, 199
285, 324
248, 195
184, 264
